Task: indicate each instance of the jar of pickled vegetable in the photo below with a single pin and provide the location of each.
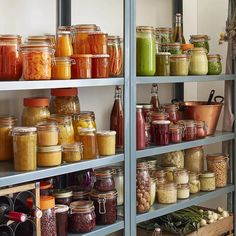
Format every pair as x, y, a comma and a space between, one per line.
181, 176
194, 182
172, 110
167, 193
37, 61
179, 65
6, 143
116, 55
207, 181
104, 180
190, 129
163, 35
163, 64
11, 59
183, 191
62, 196
72, 152
172, 48
64, 101
61, 68
146, 51
35, 111
200, 41
63, 44
25, 148
98, 42
169, 171
201, 129
176, 133
161, 176
100, 66
214, 64
198, 62
106, 143
175, 158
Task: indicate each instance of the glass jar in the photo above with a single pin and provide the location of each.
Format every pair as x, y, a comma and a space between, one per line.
140, 129
63, 44
186, 48
104, 180
45, 188
201, 129
6, 230
82, 66
179, 65
198, 62
35, 111
170, 168
62, 219
147, 112
160, 176
49, 156
194, 159
51, 38
118, 175
11, 58
64, 101
181, 176
116, 55
214, 64
38, 39
79, 195
82, 218
153, 191
61, 69
146, 51
7, 123
200, 41
183, 191
217, 163
163, 64
147, 135
24, 147
194, 182
72, 152
172, 48
190, 129
62, 196
106, 143
163, 35
167, 193
48, 220
88, 138
105, 207
152, 168
176, 133
175, 158
161, 129
37, 60
98, 42
100, 66
172, 110
143, 188
207, 181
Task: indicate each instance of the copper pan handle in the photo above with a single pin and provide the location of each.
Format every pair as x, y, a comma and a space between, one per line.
221, 99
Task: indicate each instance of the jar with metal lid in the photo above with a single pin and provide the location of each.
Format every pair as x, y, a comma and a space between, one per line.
37, 60
169, 171
163, 64
88, 138
24, 147
7, 123
179, 65
116, 55
35, 111
167, 193
181, 176
172, 48
143, 188
63, 44
62, 219
161, 129
218, 163
194, 159
105, 204
194, 182
175, 158
118, 175
172, 110
104, 180
200, 41
64, 101
201, 129
49, 156
98, 42
45, 188
198, 62
100, 66
153, 191
11, 58
72, 152
61, 69
214, 64
106, 142
146, 51
190, 129
62, 196
207, 181
176, 133
183, 191
82, 218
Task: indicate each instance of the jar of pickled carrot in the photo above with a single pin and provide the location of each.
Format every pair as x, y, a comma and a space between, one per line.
11, 59
100, 66
63, 44
37, 60
62, 68
98, 42
82, 67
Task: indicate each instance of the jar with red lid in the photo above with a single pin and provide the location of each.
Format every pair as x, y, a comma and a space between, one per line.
140, 129
100, 66
62, 196
172, 110
11, 59
147, 112
176, 133
35, 111
201, 129
161, 129
82, 66
190, 129
104, 180
98, 42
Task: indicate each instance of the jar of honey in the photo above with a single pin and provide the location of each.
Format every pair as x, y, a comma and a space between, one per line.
98, 42
106, 143
100, 66
61, 68
63, 44
72, 152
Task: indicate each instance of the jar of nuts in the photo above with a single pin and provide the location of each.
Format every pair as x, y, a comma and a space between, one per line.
143, 188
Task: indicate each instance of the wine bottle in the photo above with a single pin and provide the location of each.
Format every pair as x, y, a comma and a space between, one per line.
178, 36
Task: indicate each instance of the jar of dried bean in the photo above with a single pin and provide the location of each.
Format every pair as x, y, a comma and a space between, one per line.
62, 196
104, 180
181, 176
175, 158
62, 219
207, 181
167, 193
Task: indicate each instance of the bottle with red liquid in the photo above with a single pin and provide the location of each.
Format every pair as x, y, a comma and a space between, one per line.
117, 119
154, 99
140, 129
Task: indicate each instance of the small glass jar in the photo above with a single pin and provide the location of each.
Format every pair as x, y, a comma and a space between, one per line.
45, 188
104, 180
190, 129
152, 168
72, 152
179, 65
167, 193
175, 158
198, 62
24, 147
200, 41
82, 66
147, 112
62, 196
105, 207
207, 181
63, 44
153, 191
163, 35
201, 129
170, 168
143, 188
64, 101
176, 133
35, 111
106, 143
82, 218
88, 138
163, 64
181, 176
160, 176
118, 175
98, 42
61, 69
217, 163
62, 219
172, 110
194, 182
161, 128
183, 191
172, 48
214, 64
100, 66
49, 156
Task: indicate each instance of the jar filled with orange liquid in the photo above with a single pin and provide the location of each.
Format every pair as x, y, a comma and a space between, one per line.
61, 68
64, 44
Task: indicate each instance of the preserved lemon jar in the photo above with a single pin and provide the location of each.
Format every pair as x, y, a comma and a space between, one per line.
64, 101
106, 143
6, 144
25, 148
35, 111
61, 68
72, 152
63, 44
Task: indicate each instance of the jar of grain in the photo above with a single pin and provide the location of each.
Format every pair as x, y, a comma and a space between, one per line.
208, 181
167, 193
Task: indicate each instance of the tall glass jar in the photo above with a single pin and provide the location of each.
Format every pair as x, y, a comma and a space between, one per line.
11, 59
200, 41
214, 64
118, 175
140, 129
63, 44
146, 51
198, 62
163, 64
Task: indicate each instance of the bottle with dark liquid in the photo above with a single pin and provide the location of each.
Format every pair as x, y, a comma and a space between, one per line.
117, 119
154, 99
178, 36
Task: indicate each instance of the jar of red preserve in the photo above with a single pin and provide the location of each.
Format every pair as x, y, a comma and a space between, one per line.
201, 129
104, 180
172, 110
100, 66
176, 133
161, 129
140, 129
190, 129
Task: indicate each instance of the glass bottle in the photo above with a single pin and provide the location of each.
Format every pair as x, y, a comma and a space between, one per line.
117, 118
178, 31
140, 129
154, 98
63, 44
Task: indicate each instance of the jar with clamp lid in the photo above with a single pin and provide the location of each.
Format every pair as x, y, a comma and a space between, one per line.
104, 180
63, 44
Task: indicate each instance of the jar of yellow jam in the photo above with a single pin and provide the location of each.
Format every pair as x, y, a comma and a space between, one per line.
63, 44
106, 143
61, 69
72, 152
